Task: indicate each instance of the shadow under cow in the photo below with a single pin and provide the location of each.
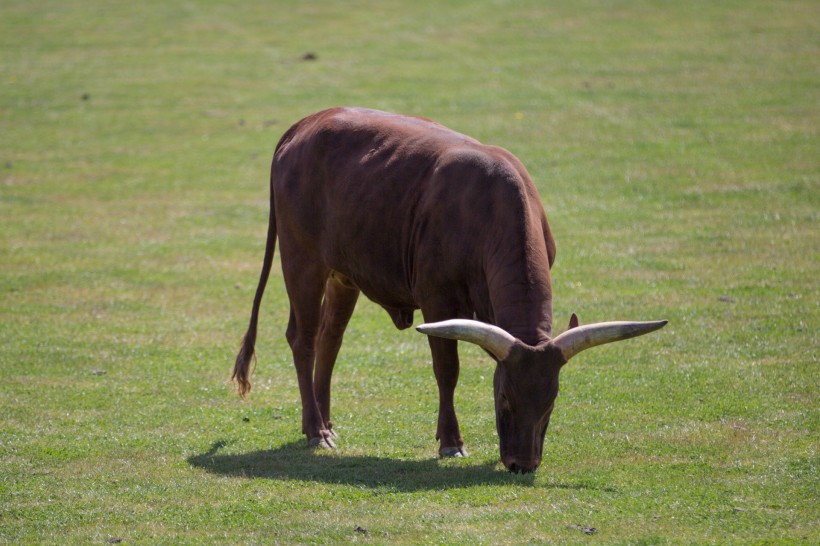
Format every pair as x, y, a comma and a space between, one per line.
295, 461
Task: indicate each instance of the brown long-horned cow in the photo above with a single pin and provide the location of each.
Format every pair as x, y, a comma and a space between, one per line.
418, 216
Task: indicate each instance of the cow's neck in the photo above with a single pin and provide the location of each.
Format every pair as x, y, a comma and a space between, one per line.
521, 295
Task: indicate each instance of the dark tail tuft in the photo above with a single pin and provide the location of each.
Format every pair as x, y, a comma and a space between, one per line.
241, 369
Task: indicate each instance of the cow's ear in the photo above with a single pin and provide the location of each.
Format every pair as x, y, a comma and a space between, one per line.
573, 322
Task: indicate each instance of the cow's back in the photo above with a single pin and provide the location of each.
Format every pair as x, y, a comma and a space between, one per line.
400, 205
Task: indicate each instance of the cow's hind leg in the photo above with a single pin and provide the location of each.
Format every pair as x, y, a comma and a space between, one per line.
340, 300
305, 287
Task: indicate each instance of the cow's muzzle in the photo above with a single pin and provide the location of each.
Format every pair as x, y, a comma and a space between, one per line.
520, 466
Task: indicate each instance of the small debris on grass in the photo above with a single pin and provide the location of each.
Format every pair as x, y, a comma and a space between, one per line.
114, 540
309, 56
726, 299
586, 530
98, 372
86, 96
246, 419
360, 529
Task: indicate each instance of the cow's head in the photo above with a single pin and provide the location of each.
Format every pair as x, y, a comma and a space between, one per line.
526, 377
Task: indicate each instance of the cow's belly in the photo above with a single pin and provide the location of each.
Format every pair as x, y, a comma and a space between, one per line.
392, 297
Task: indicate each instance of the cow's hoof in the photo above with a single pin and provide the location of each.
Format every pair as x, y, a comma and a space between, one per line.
448, 452
321, 442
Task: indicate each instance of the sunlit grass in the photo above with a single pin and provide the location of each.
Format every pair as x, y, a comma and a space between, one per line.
674, 146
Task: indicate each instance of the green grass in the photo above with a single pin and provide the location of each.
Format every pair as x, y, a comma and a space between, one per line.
675, 146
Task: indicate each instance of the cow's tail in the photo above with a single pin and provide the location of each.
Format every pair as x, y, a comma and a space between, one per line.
241, 369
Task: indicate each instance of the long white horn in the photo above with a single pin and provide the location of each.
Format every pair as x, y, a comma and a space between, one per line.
487, 336
575, 340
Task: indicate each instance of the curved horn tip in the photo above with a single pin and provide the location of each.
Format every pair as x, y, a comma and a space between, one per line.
491, 338
424, 328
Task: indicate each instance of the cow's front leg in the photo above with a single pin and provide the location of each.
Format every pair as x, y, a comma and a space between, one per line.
445, 366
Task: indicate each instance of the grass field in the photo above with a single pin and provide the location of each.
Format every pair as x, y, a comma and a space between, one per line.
675, 146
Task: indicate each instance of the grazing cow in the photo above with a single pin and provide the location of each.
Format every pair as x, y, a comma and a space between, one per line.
418, 216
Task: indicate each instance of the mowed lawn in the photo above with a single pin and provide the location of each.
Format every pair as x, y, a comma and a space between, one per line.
674, 144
